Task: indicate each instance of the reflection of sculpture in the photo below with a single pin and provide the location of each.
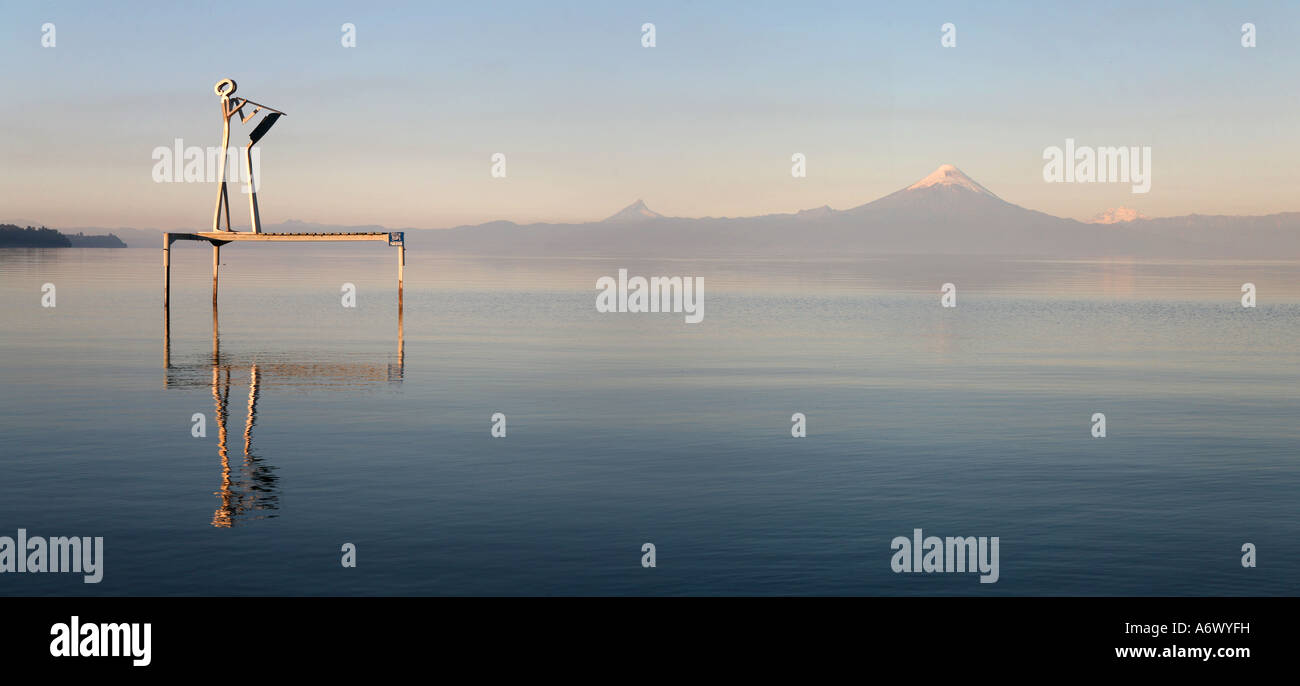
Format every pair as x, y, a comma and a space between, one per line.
229, 108
253, 493
251, 490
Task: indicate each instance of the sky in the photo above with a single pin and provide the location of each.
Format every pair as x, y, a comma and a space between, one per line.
400, 130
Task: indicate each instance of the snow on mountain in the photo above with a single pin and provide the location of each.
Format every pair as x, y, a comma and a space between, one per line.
945, 191
949, 176
1117, 215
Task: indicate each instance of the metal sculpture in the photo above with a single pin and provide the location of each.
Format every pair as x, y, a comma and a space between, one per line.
230, 106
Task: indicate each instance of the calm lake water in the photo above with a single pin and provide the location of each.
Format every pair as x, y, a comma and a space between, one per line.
625, 429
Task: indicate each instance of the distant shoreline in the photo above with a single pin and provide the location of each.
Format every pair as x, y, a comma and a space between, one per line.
12, 236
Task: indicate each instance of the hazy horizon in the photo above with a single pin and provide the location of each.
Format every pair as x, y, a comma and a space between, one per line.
1097, 219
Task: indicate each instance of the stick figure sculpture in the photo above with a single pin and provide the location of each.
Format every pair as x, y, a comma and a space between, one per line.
229, 108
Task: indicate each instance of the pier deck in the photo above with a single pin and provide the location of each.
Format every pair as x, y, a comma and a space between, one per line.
222, 237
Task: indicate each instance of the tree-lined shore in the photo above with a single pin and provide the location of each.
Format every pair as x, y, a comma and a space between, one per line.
12, 236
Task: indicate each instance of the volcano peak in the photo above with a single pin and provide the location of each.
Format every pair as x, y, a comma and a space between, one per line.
948, 175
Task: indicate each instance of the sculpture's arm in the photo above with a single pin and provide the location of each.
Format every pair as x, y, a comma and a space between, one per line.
232, 111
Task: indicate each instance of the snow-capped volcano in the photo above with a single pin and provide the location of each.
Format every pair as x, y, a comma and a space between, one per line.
948, 175
636, 212
949, 212
945, 191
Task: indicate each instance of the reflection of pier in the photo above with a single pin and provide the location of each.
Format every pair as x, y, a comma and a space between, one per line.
250, 490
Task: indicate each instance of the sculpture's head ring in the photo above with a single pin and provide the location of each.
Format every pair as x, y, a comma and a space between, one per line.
225, 87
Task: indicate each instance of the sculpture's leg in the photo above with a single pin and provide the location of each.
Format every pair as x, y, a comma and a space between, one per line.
225, 204
223, 200
252, 190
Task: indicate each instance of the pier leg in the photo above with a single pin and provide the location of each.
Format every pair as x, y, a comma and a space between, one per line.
167, 270
401, 339
401, 269
167, 347
167, 287
216, 257
216, 340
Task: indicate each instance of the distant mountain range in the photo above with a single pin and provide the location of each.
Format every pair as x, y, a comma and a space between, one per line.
946, 212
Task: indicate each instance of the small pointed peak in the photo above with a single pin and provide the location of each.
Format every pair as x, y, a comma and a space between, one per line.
637, 211
951, 176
